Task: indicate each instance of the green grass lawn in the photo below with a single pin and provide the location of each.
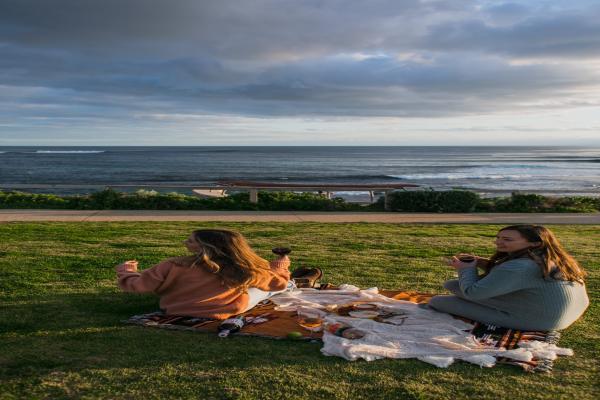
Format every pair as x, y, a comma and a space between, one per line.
60, 335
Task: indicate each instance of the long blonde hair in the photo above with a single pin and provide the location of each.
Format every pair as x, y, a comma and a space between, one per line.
227, 254
552, 258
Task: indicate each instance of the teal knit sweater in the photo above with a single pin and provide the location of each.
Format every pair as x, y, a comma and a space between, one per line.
518, 288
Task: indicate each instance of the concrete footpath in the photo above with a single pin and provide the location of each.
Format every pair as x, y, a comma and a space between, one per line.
292, 216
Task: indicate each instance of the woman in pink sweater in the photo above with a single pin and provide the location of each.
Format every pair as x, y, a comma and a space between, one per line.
223, 277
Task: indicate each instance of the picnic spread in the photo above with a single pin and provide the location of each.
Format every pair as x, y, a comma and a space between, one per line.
370, 324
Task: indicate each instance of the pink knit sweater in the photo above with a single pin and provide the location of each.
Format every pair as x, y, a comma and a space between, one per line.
195, 291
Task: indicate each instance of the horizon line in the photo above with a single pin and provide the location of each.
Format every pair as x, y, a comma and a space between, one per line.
324, 145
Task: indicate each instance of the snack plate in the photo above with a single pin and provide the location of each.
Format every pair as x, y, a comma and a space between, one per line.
365, 307
364, 314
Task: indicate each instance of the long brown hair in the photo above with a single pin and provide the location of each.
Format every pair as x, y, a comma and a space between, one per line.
549, 254
227, 254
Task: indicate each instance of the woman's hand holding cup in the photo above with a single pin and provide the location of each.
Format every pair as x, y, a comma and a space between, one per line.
131, 265
463, 260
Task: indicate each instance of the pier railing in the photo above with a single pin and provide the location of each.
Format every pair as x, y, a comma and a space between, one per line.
326, 189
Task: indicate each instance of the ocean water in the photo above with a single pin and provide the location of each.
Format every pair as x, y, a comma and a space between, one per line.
490, 171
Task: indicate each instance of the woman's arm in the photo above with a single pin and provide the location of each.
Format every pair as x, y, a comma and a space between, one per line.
281, 267
277, 278
149, 280
505, 278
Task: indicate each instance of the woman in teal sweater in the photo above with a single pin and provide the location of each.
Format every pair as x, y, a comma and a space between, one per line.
530, 283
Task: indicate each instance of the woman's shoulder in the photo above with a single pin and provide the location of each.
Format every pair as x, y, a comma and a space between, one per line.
169, 263
520, 264
180, 266
180, 261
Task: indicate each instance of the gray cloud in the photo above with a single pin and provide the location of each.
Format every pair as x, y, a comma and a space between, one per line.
232, 30
377, 58
555, 36
242, 30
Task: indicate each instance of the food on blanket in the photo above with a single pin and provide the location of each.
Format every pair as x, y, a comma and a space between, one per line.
346, 309
231, 325
364, 314
258, 319
281, 251
295, 335
313, 324
345, 331
392, 318
353, 334
331, 307
365, 307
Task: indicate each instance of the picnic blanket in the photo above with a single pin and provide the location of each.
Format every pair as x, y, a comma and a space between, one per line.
418, 332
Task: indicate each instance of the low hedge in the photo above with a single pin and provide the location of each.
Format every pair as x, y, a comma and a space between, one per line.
520, 202
460, 201
110, 199
457, 201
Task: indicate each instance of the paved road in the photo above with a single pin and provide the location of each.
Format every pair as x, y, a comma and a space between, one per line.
290, 216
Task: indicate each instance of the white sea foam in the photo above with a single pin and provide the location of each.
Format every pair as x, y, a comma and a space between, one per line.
69, 151
458, 176
351, 193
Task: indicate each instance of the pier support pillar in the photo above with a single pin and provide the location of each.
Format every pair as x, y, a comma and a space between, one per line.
253, 195
386, 200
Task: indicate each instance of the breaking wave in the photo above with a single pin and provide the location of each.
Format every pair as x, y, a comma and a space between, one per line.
69, 151
457, 176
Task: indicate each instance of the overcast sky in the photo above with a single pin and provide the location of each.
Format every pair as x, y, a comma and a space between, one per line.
312, 72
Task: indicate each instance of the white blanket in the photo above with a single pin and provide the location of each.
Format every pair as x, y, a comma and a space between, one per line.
430, 336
